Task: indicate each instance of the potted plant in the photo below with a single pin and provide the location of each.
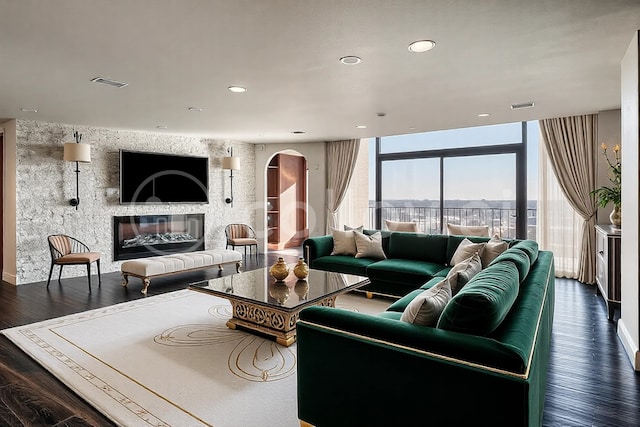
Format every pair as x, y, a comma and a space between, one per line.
613, 192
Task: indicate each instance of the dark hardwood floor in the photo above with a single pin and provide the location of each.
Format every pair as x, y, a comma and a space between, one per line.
591, 382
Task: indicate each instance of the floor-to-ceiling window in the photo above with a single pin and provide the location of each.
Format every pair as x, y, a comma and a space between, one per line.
470, 176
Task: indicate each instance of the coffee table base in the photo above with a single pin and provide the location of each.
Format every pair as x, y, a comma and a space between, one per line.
272, 321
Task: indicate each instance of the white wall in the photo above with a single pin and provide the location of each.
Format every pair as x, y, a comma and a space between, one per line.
315, 154
628, 325
45, 183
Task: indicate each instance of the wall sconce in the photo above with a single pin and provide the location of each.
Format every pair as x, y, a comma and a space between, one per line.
77, 152
230, 163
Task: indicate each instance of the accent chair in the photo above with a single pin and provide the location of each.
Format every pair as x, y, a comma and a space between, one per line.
241, 235
66, 250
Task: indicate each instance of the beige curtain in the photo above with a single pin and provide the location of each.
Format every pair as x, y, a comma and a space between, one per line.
570, 143
559, 227
354, 209
341, 160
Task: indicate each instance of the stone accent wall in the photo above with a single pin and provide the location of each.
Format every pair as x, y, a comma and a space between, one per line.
45, 183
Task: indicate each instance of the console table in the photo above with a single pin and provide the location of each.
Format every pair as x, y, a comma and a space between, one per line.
608, 265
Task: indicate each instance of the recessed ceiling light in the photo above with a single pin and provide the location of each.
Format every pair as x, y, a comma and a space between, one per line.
483, 115
350, 60
109, 82
412, 128
523, 105
28, 110
237, 89
161, 127
195, 109
420, 46
361, 127
298, 132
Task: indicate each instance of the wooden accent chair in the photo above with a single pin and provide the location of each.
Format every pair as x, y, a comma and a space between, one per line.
66, 250
241, 235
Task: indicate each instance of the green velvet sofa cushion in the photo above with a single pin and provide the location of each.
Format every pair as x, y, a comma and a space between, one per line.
530, 247
520, 325
393, 315
343, 264
518, 257
408, 271
419, 247
484, 302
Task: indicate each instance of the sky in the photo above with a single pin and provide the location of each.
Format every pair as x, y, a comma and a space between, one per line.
466, 178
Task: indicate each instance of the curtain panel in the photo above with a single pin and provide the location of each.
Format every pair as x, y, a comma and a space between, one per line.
341, 160
570, 143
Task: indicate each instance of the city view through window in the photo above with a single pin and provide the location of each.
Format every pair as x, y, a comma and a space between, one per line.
462, 176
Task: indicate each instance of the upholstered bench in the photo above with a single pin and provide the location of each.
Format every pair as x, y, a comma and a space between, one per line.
146, 268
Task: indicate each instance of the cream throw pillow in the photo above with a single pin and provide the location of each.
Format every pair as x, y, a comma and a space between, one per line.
466, 249
401, 226
464, 230
464, 271
492, 249
347, 228
425, 308
369, 246
344, 242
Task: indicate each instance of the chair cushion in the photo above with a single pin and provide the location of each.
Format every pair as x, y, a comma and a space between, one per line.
79, 258
243, 242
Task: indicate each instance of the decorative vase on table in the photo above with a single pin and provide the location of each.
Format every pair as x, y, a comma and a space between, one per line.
616, 216
279, 270
301, 269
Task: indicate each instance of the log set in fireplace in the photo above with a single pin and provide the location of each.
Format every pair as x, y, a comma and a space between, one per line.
144, 236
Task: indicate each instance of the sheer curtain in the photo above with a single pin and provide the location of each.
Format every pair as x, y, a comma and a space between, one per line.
559, 226
570, 144
354, 209
341, 159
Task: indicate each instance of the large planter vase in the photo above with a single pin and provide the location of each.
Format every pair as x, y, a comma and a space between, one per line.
616, 216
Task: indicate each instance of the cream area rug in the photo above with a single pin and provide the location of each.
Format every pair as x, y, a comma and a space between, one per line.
170, 360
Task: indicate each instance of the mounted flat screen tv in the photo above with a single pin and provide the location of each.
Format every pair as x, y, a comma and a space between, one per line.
158, 178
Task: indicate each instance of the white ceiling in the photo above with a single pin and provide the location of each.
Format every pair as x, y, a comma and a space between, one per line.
562, 54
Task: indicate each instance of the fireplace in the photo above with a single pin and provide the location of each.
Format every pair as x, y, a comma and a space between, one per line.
143, 236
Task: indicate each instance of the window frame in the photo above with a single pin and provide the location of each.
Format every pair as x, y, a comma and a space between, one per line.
519, 149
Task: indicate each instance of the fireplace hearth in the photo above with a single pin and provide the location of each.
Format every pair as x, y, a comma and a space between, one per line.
143, 236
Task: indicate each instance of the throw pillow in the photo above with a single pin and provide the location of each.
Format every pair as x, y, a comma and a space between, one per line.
369, 246
401, 226
464, 271
344, 242
492, 249
359, 229
425, 309
463, 230
466, 249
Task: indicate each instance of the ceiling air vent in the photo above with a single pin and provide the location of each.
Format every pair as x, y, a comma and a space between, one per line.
109, 82
523, 105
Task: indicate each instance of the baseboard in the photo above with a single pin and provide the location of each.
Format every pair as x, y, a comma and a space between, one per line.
9, 278
630, 346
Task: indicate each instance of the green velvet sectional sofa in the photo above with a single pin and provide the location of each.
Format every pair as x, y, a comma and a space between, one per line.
483, 363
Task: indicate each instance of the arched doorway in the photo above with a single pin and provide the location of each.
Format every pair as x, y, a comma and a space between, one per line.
286, 210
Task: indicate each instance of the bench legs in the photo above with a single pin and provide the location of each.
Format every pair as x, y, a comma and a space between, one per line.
238, 266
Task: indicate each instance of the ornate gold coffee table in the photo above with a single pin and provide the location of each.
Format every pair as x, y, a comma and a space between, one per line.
263, 305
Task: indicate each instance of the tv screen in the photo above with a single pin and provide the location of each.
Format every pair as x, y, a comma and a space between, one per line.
157, 178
